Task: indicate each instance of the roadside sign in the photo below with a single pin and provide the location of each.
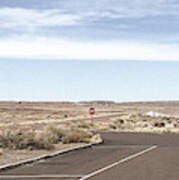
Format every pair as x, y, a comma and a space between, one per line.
92, 110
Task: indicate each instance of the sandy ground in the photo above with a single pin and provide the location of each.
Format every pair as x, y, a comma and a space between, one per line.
26, 114
131, 117
13, 156
37, 116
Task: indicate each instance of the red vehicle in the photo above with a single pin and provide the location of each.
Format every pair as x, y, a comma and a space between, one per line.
92, 110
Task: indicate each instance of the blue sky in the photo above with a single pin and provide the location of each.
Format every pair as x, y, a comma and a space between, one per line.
90, 80
86, 49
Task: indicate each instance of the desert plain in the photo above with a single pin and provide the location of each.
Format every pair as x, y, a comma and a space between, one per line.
31, 129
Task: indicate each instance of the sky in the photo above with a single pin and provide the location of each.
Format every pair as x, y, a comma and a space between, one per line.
89, 49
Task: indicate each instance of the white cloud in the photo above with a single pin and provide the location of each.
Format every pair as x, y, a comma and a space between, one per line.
121, 8
46, 48
29, 18
70, 12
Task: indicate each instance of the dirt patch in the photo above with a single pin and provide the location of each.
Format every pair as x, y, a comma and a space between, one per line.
13, 156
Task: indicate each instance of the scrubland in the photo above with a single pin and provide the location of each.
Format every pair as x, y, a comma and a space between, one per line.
30, 129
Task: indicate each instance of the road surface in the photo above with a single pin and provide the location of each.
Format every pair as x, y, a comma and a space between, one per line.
123, 156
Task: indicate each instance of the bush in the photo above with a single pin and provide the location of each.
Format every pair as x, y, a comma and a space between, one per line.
1, 152
21, 139
24, 140
69, 134
85, 125
112, 126
77, 135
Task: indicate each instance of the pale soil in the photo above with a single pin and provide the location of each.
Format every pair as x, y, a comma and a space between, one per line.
136, 119
32, 115
13, 156
38, 116
29, 115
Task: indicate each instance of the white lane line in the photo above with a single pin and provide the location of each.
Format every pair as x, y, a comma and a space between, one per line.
117, 163
41, 176
119, 146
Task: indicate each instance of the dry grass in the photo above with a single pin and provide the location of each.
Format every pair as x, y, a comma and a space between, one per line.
1, 152
84, 124
76, 135
133, 121
68, 134
138, 122
120, 124
19, 139
44, 139
80, 124
96, 138
71, 132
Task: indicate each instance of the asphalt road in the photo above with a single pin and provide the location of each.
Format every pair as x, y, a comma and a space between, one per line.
123, 156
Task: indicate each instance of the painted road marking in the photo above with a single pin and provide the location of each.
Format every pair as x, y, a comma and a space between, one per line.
117, 163
119, 146
41, 176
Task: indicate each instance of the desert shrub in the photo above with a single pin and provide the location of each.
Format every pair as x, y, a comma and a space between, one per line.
45, 139
69, 134
82, 132
53, 133
118, 124
82, 124
96, 138
128, 126
112, 126
65, 116
18, 139
159, 124
11, 139
1, 152
77, 135
42, 140
123, 125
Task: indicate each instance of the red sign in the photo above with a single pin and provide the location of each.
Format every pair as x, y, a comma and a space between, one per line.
92, 110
